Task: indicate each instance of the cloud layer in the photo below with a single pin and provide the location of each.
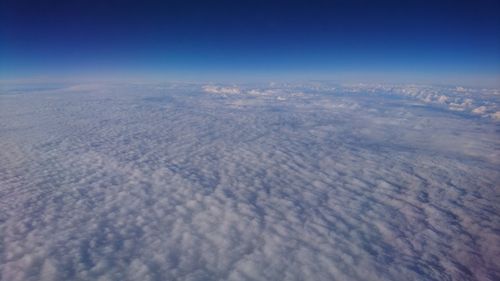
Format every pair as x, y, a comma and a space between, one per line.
280, 182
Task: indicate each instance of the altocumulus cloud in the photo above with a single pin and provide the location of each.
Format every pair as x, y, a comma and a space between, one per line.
165, 182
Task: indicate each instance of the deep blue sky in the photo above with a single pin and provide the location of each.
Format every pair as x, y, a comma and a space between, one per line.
431, 40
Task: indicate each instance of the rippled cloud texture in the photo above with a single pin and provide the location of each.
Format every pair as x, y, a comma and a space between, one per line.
225, 182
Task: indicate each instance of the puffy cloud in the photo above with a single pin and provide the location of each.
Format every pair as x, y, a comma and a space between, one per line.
258, 92
163, 182
479, 110
496, 115
463, 100
221, 90
442, 99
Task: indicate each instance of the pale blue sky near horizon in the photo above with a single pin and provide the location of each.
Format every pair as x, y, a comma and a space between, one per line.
450, 42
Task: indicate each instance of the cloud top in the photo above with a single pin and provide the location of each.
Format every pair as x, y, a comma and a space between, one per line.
211, 89
251, 182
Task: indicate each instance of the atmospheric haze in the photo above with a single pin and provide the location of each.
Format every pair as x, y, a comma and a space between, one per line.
280, 181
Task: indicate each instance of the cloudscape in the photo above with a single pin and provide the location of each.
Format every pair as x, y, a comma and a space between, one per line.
249, 140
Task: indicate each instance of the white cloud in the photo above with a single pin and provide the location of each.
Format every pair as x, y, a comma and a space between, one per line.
479, 110
221, 90
496, 115
442, 99
140, 183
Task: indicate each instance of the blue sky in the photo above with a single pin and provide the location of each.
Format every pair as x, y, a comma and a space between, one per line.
421, 40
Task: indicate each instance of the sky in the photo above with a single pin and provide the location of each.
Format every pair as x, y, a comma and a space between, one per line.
429, 41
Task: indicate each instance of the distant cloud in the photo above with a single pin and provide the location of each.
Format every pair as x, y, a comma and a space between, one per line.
479, 110
496, 115
257, 92
221, 90
442, 99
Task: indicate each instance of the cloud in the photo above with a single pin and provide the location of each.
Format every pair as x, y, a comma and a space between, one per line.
479, 110
442, 99
221, 90
164, 182
458, 99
